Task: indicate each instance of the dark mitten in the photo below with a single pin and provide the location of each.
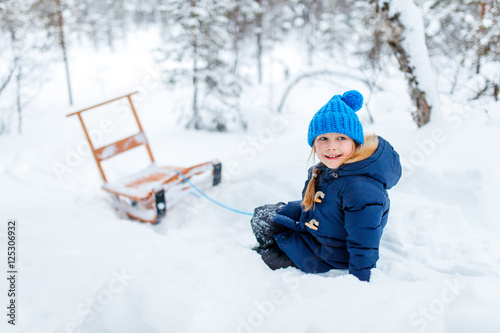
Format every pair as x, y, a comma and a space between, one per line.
262, 223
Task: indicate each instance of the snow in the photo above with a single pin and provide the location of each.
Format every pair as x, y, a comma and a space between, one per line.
82, 268
107, 152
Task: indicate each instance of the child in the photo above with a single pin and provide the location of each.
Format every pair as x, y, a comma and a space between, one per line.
344, 207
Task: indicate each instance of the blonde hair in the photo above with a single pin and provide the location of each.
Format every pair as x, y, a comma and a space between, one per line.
309, 196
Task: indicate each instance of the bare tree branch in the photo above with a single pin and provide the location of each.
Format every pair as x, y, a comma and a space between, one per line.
9, 77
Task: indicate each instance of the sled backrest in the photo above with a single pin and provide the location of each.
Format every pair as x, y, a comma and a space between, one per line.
118, 147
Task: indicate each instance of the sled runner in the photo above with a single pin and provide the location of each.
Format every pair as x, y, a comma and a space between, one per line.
145, 195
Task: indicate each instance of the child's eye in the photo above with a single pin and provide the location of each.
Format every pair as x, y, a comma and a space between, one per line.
341, 138
323, 138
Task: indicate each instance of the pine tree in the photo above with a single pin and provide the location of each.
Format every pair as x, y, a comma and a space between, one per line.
197, 35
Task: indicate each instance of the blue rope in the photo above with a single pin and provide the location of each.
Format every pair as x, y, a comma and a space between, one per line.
206, 196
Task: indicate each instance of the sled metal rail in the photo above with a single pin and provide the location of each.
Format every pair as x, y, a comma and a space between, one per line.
102, 153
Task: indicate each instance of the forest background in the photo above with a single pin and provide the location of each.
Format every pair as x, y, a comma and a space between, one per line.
221, 48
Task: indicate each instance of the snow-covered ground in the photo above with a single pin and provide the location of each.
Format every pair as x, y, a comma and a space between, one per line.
83, 269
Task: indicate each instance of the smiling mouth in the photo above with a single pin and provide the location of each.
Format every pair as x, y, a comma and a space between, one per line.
332, 157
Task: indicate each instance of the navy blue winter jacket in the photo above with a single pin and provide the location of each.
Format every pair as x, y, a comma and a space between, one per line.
344, 229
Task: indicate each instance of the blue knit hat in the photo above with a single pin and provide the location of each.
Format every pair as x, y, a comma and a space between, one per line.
338, 116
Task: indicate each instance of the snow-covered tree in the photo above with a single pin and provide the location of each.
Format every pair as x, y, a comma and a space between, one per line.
404, 32
197, 47
23, 44
464, 41
241, 16
269, 26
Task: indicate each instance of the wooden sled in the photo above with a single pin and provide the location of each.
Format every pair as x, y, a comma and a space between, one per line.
147, 195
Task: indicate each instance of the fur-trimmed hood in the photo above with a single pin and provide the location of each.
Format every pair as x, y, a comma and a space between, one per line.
365, 150
375, 158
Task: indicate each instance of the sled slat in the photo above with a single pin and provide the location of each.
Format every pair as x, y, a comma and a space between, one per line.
120, 146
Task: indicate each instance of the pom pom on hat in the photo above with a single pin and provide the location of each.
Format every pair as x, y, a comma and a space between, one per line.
353, 99
338, 116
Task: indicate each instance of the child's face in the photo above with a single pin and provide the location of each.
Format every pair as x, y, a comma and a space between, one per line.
333, 149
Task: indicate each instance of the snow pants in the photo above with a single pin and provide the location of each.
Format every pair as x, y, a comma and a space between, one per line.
264, 229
